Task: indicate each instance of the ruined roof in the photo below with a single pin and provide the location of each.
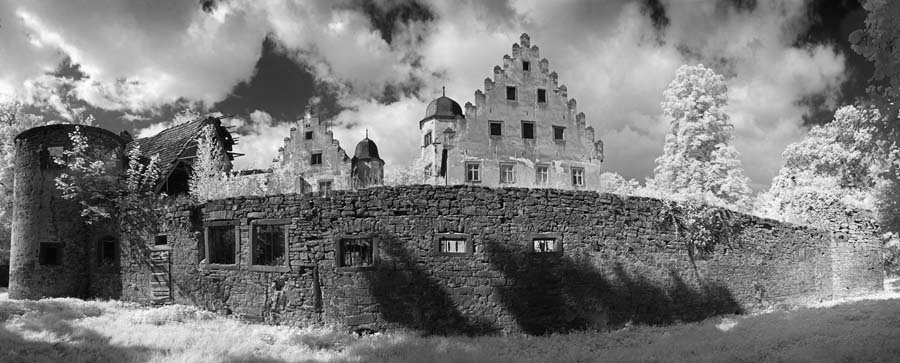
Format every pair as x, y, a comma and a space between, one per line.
366, 150
442, 107
171, 143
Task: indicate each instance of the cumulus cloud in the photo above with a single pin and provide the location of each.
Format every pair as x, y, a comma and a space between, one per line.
260, 136
612, 55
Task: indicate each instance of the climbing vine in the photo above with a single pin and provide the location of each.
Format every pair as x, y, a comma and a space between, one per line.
704, 227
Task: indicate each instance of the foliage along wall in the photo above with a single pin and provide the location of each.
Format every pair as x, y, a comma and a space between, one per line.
464, 259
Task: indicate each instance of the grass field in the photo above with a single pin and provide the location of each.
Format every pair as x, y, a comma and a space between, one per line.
72, 330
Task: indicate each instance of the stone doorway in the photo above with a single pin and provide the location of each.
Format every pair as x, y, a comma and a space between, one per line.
161, 276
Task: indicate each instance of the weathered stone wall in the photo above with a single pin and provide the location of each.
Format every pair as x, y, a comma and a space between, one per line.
618, 262
41, 215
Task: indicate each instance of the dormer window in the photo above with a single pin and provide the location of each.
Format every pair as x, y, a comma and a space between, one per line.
526, 66
511, 93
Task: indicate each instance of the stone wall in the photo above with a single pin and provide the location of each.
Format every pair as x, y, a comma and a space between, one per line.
617, 263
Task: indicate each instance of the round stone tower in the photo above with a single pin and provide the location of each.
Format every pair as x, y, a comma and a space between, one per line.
53, 251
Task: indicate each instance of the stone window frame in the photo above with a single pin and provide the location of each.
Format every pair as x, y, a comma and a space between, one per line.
308, 135
537, 174
477, 172
428, 139
515, 93
237, 244
312, 158
526, 66
533, 130
338, 251
541, 92
504, 167
285, 223
491, 124
58, 248
556, 236
328, 182
577, 174
428, 170
165, 239
562, 133
101, 255
440, 237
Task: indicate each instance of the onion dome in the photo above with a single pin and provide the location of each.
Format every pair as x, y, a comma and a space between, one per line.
366, 150
442, 108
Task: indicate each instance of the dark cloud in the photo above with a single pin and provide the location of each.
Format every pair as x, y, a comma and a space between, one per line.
385, 15
657, 13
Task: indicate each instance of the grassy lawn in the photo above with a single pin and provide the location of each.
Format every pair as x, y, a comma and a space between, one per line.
72, 330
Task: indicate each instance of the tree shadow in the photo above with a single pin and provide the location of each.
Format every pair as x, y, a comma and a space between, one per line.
408, 296
54, 318
550, 292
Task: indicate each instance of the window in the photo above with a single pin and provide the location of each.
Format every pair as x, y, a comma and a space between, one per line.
427, 140
542, 95
496, 128
541, 245
507, 173
453, 244
511, 93
50, 254
473, 172
325, 186
160, 240
50, 155
528, 130
541, 175
578, 177
268, 242
106, 251
428, 171
315, 159
308, 135
559, 133
221, 243
355, 252
526, 66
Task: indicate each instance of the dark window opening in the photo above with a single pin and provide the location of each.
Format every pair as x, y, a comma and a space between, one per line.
356, 252
511, 93
49, 157
542, 95
160, 240
50, 254
268, 245
221, 244
528, 130
526, 66
106, 252
428, 139
308, 135
443, 171
315, 159
496, 128
559, 133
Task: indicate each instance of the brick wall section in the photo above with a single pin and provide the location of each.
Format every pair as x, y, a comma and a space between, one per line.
618, 263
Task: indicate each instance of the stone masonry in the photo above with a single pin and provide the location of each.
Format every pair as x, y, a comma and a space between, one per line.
612, 261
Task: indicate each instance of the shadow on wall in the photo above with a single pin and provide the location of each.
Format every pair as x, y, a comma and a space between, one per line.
549, 292
49, 318
407, 296
4, 275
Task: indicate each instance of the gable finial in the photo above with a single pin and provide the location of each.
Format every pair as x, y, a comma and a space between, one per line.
444, 91
367, 133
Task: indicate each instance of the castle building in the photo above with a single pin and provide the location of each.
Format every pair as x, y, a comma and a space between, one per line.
522, 131
319, 159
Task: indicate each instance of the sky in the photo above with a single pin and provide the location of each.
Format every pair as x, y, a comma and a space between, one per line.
375, 65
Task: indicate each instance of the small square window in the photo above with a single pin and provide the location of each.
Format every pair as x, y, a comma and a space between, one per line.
355, 252
496, 128
308, 135
473, 172
559, 133
315, 159
542, 175
578, 177
427, 139
50, 254
542, 95
160, 240
428, 170
526, 66
542, 245
221, 242
453, 244
269, 244
106, 251
507, 173
528, 130
511, 93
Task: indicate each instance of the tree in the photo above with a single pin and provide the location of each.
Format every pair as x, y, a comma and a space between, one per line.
697, 159
614, 183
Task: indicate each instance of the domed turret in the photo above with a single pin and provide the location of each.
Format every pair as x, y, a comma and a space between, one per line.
367, 168
366, 150
442, 108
